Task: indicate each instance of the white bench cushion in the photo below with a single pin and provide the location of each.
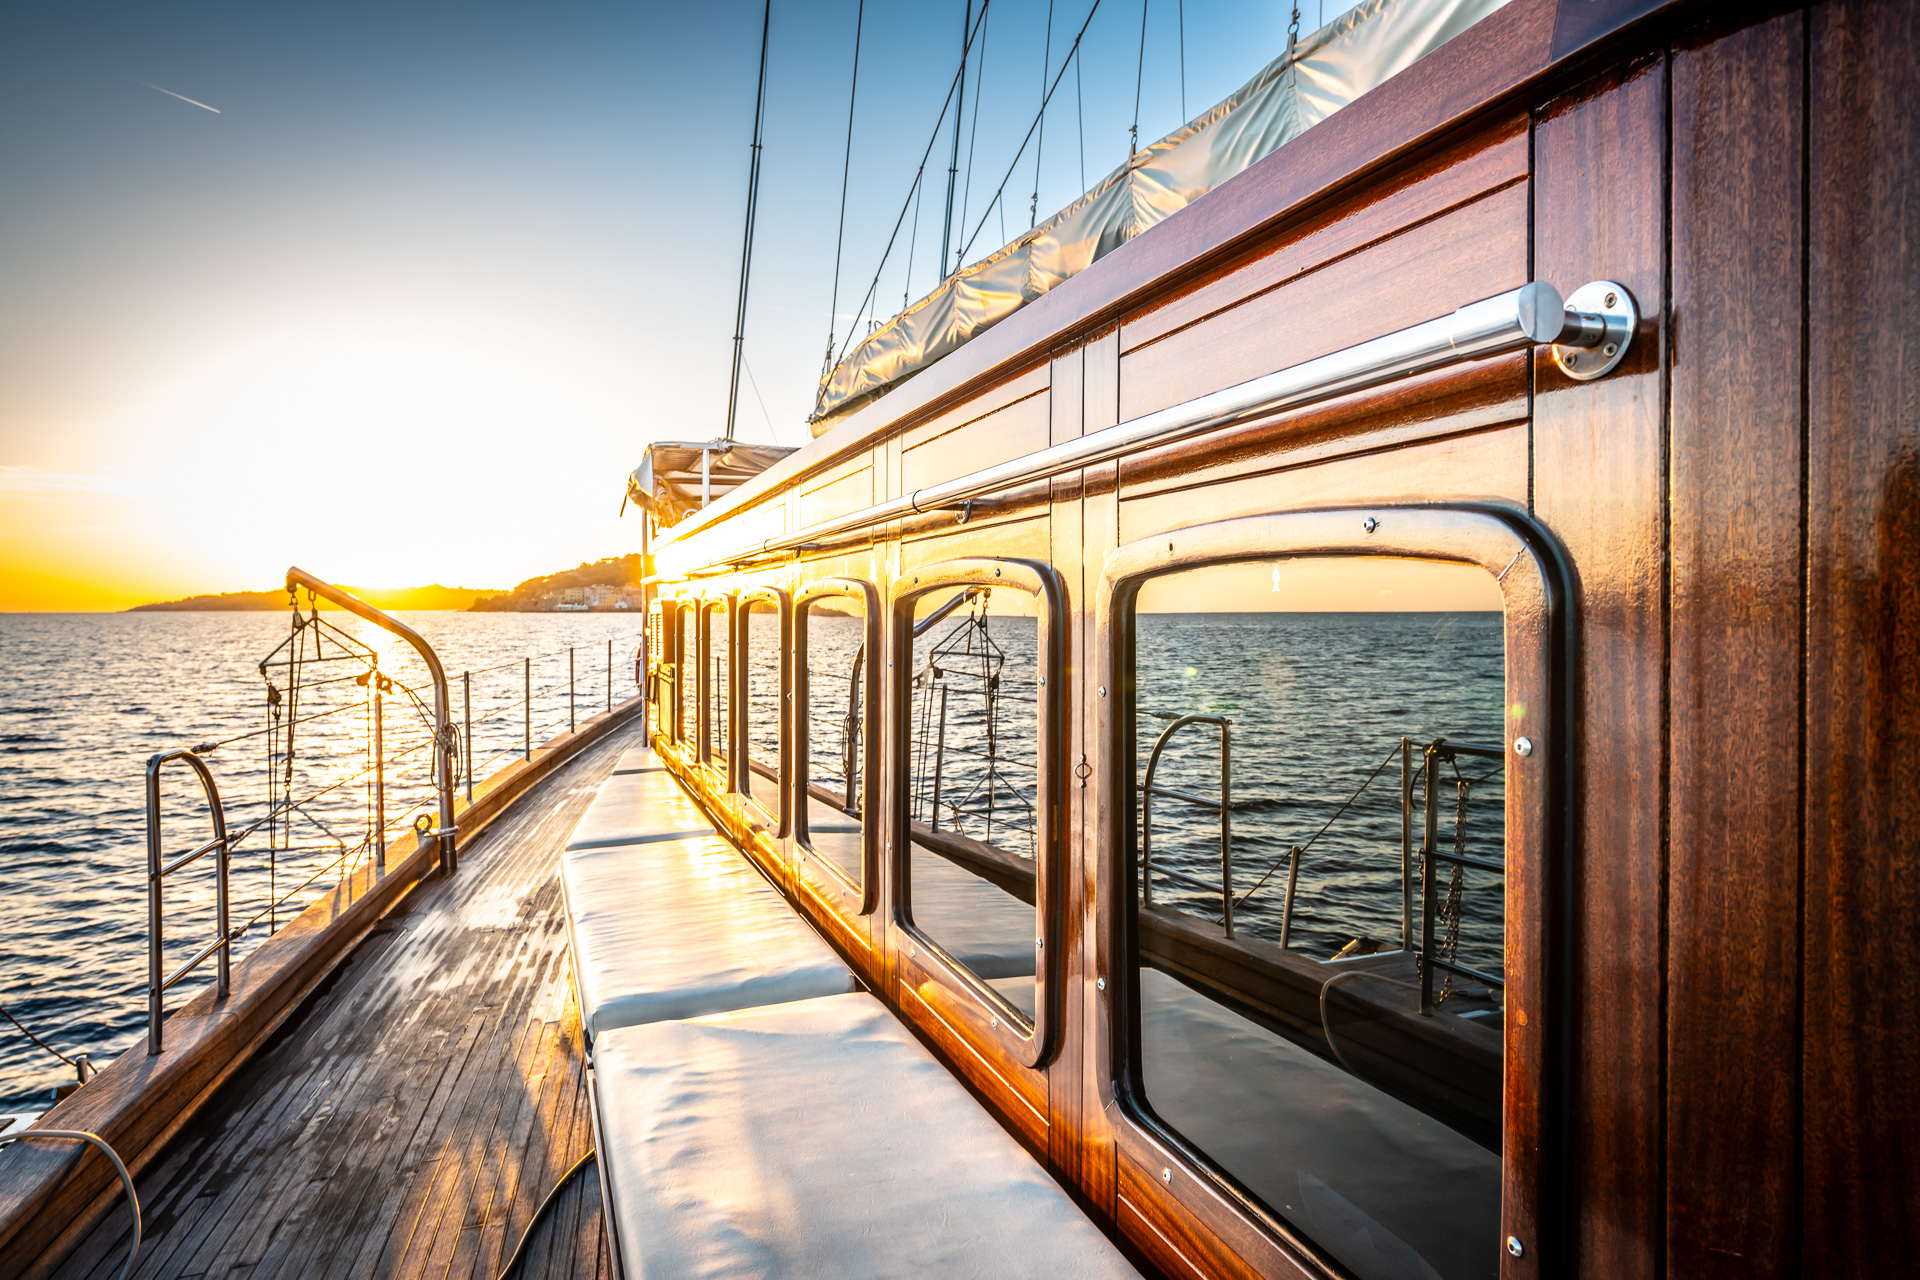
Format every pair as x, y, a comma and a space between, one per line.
820, 1139
680, 927
634, 808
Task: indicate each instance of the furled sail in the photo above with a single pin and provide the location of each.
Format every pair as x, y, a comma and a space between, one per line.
677, 478
1366, 46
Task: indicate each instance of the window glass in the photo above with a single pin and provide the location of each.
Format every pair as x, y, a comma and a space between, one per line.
1334, 1043
719, 656
835, 730
973, 781
689, 672
761, 778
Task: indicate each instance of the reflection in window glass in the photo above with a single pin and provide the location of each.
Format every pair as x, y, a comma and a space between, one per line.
761, 778
689, 672
1288, 1025
973, 774
835, 729
719, 655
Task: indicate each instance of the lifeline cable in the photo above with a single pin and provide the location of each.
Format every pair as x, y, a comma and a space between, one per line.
79, 1065
520, 1250
126, 1179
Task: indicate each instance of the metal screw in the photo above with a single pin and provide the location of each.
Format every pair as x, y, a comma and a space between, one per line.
1039, 944
1099, 984
1572, 359
1611, 350
1369, 524
1166, 1175
1514, 1246
993, 1022
913, 951
1523, 746
1611, 300
1103, 691
1043, 681
996, 573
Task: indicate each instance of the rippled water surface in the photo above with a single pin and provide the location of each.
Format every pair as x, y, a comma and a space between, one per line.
87, 698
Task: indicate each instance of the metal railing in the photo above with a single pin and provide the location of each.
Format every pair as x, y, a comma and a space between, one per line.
158, 869
1224, 805
1431, 953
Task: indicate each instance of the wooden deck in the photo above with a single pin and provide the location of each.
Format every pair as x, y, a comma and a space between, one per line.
410, 1118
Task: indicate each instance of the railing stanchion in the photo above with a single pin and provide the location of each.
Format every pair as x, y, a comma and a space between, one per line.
1429, 882
154, 988
1406, 844
609, 673
526, 705
569, 688
379, 768
466, 735
1226, 827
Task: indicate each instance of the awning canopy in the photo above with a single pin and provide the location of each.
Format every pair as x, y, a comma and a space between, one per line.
677, 477
1364, 47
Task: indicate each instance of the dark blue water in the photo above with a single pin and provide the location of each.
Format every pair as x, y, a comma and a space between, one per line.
88, 697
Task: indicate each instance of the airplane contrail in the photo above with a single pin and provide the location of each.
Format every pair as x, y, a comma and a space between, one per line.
183, 97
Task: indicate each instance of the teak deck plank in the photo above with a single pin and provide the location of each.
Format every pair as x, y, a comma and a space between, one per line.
411, 1117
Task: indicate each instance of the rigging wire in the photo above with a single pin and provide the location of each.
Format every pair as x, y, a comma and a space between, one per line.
1032, 128
905, 204
1046, 60
953, 164
846, 168
973, 134
1139, 71
753, 201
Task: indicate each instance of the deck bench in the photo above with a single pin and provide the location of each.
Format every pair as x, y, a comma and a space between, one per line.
818, 1138
665, 919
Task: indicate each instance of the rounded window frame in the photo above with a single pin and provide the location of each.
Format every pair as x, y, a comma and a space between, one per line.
703, 628
1537, 610
868, 890
738, 781
1029, 1044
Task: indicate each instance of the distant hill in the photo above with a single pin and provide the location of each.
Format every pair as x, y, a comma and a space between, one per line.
433, 597
542, 593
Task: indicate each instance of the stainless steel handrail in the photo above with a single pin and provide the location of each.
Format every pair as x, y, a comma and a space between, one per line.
445, 738
1531, 315
1224, 805
157, 872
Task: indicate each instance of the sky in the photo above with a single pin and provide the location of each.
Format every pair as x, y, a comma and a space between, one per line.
400, 293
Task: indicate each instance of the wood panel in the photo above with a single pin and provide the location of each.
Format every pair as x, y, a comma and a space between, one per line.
1599, 483
1734, 954
1482, 466
1010, 432
848, 488
1474, 252
1861, 1172
1471, 167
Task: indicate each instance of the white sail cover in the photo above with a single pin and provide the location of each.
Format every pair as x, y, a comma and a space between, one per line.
1364, 47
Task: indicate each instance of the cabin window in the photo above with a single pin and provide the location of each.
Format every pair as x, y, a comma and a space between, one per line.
719, 675
1318, 833
973, 773
834, 719
689, 673
760, 633
659, 709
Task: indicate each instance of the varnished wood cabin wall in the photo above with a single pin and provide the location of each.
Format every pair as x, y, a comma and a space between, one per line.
1736, 1079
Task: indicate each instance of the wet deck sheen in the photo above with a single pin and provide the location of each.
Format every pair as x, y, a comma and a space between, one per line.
410, 1118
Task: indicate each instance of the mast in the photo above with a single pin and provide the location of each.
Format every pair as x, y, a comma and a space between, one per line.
753, 202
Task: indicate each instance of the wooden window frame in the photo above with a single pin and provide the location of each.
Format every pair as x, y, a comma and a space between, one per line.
990, 1015
1162, 1177
658, 643
741, 761
686, 737
723, 601
801, 737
